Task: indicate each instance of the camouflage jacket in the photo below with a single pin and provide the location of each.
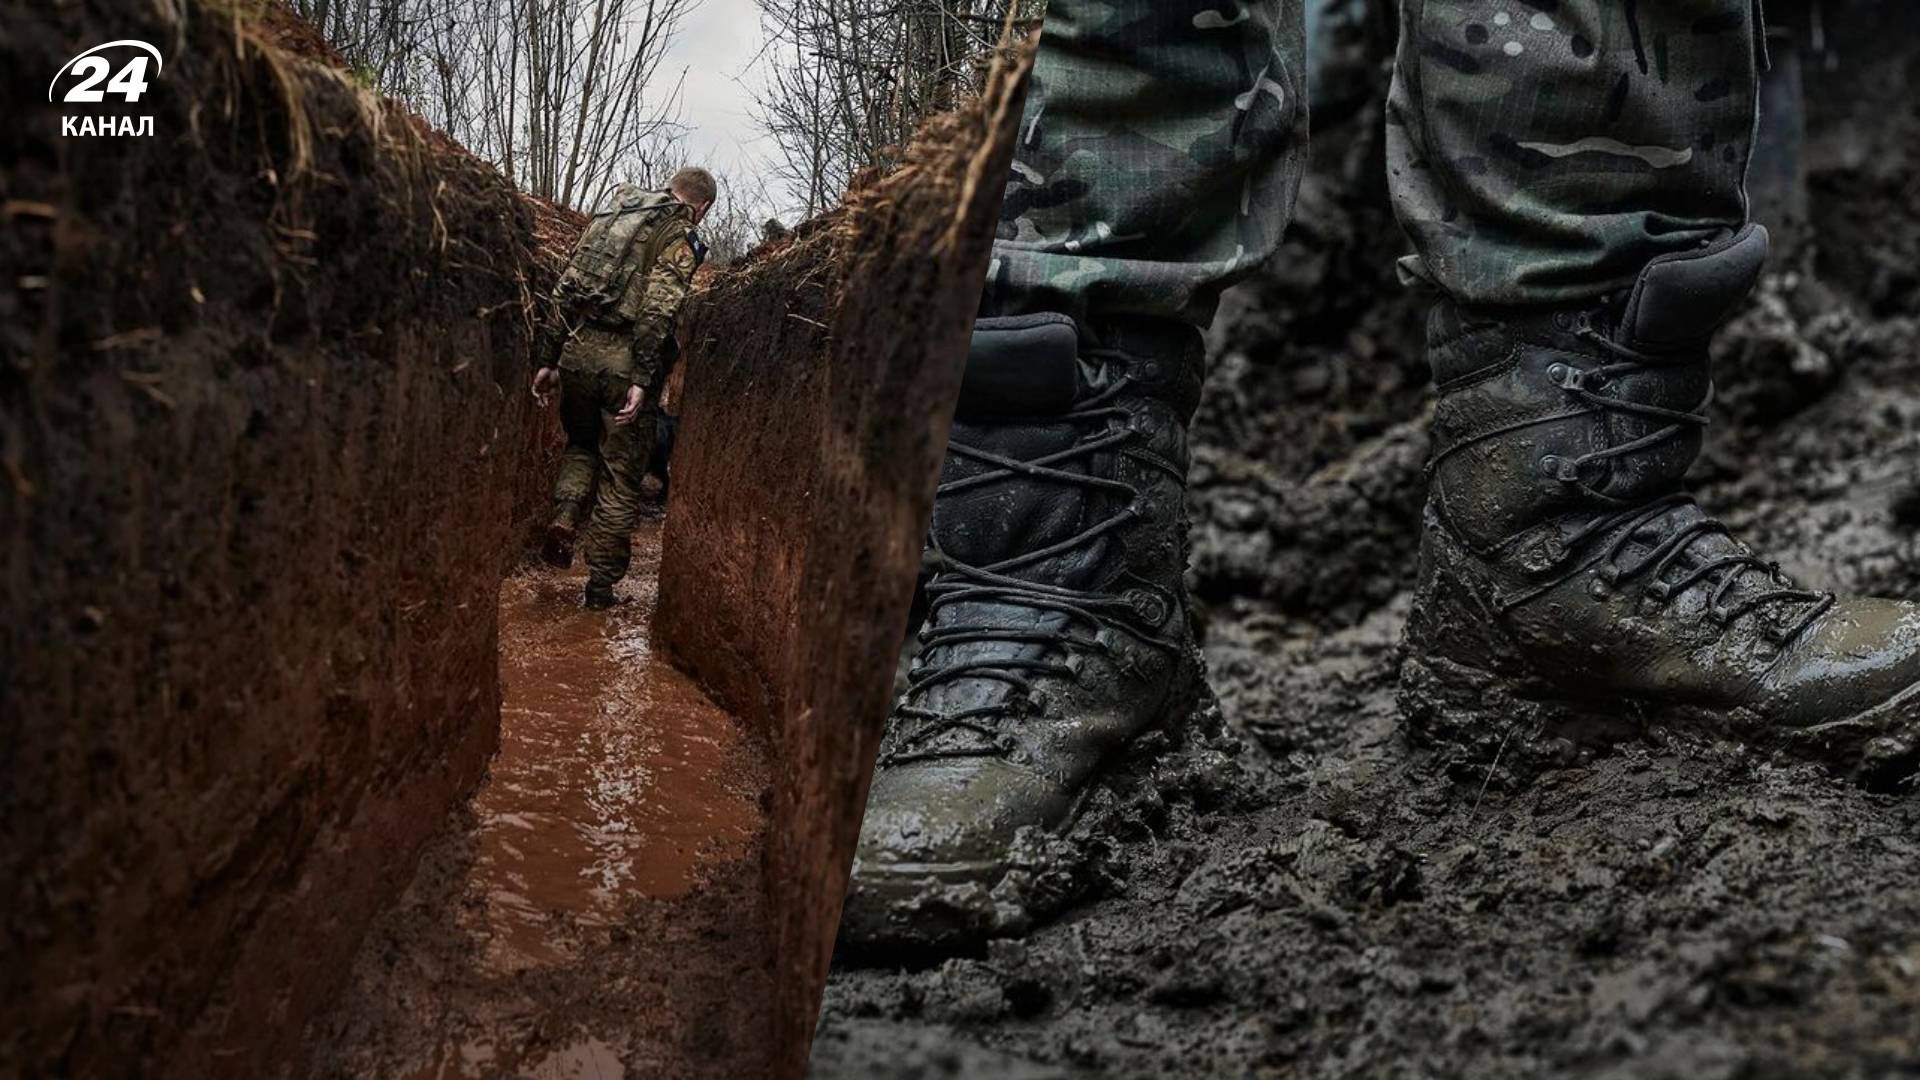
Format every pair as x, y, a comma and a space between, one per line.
642, 313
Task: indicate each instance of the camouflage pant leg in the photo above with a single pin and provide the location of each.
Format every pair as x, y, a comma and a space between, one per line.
604, 462
624, 450
1158, 157
1544, 151
573, 489
583, 357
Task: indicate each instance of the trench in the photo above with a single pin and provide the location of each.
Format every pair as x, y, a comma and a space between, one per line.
622, 799
303, 771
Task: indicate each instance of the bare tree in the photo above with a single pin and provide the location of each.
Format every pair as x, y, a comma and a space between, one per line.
850, 80
734, 226
566, 97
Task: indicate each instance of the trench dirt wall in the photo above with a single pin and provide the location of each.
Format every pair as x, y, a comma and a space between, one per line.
262, 419
820, 382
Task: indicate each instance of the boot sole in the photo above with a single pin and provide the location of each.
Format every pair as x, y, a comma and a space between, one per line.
1489, 722
1880, 747
557, 550
910, 910
938, 908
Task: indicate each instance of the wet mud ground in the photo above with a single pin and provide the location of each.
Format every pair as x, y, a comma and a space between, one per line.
1290, 889
596, 910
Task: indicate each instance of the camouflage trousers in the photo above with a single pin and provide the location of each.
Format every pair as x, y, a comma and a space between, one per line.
602, 468
1539, 151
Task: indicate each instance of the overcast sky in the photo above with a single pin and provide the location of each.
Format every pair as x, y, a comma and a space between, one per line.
718, 45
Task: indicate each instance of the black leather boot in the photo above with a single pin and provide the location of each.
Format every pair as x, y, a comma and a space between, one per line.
599, 596
1572, 595
1057, 627
556, 547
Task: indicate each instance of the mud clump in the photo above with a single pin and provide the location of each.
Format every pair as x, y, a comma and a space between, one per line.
261, 412
1306, 893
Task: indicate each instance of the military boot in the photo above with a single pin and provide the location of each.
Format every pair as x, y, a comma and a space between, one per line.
557, 546
1056, 630
1572, 595
598, 596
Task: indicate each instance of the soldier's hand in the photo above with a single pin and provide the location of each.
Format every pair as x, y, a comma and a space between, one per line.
636, 397
544, 381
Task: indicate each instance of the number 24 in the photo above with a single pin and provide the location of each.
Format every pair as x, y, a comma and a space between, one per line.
130, 81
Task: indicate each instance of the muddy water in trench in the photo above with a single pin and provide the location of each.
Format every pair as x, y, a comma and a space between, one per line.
596, 910
606, 787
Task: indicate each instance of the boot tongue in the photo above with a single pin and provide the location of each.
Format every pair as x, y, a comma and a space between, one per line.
1703, 548
1005, 518
1022, 379
988, 525
1665, 323
1020, 383
1680, 299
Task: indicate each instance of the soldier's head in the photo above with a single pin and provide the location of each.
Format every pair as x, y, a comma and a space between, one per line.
695, 187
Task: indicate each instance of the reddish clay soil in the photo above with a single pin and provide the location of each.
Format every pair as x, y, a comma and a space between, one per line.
596, 910
261, 425
820, 380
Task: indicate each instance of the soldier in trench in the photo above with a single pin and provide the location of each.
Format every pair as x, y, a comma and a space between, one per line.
1570, 176
607, 350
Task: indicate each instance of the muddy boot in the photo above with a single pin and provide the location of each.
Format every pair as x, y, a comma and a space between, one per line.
557, 548
1057, 628
1572, 595
599, 596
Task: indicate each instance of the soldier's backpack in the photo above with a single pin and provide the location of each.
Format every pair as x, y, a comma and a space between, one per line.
609, 253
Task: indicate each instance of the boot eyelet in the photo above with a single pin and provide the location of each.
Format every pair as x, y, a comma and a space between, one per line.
1569, 378
1599, 589
1151, 609
1561, 469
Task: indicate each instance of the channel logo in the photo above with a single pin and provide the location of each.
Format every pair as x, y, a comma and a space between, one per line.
116, 71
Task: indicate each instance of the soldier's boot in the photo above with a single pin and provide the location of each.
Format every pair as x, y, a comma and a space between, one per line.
556, 548
599, 595
1057, 628
1571, 595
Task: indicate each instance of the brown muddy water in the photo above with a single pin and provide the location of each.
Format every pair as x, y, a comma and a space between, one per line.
596, 910
610, 779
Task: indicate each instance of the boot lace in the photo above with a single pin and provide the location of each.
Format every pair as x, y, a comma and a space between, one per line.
1742, 583
982, 727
